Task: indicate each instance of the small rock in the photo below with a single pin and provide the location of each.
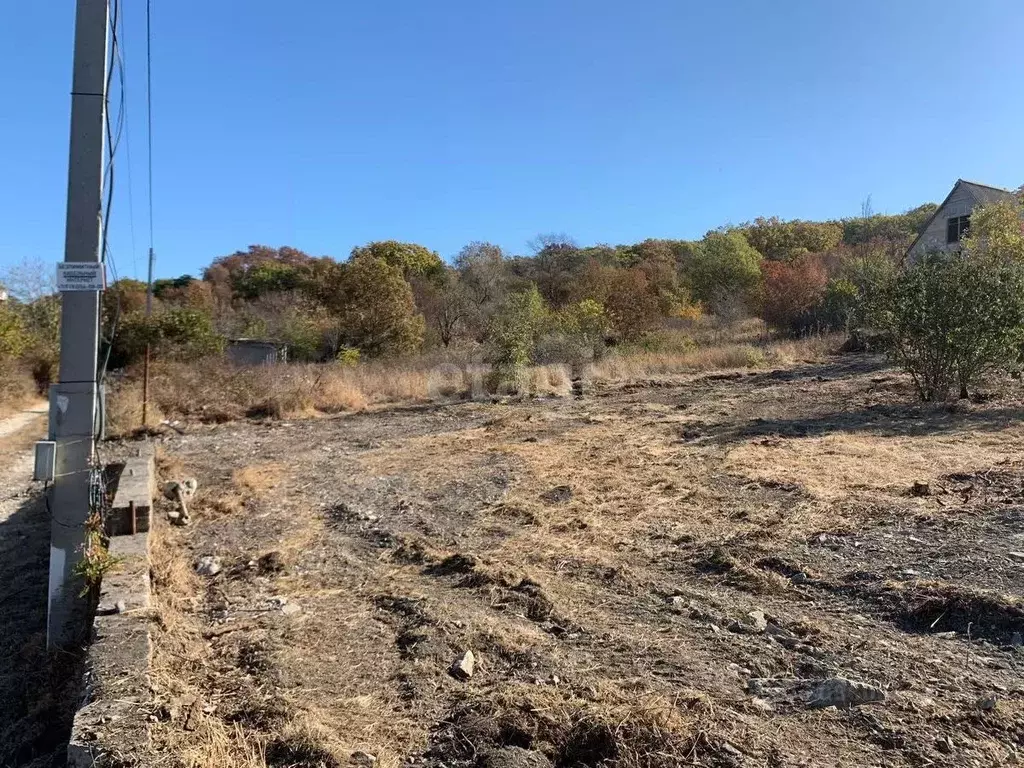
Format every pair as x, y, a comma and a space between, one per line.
920, 488
756, 621
363, 758
799, 578
842, 693
464, 666
944, 745
910, 572
729, 749
987, 703
120, 607
1017, 555
291, 609
209, 566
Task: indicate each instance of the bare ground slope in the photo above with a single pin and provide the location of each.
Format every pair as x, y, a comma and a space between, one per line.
602, 558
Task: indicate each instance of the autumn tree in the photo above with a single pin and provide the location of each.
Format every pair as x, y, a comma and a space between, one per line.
791, 291
412, 260
778, 240
448, 307
375, 308
724, 268
555, 265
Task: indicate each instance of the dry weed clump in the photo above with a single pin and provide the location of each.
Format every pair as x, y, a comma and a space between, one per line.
17, 389
214, 390
124, 409
601, 726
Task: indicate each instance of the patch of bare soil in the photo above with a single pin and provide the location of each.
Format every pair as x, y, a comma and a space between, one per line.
660, 573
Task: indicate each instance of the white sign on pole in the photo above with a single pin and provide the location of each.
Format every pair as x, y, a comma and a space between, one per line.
81, 276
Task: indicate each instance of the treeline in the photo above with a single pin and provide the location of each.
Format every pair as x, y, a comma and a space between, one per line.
564, 301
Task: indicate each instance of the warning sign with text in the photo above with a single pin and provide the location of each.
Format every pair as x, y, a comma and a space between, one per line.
81, 276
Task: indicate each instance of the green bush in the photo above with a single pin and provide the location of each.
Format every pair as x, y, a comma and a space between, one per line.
514, 331
950, 319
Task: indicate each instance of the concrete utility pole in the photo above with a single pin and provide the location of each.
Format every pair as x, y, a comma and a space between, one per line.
73, 401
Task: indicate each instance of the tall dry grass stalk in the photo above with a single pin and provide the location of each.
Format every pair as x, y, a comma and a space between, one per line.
214, 390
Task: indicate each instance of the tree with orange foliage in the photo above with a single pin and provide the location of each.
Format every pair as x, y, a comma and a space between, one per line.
790, 290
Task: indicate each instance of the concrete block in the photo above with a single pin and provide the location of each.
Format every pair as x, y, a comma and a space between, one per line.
136, 488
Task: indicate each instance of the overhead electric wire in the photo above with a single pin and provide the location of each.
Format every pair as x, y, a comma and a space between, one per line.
114, 135
149, 119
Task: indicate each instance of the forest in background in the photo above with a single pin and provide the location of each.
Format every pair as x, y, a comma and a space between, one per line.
561, 303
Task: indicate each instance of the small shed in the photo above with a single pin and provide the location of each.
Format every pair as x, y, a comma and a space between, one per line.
256, 352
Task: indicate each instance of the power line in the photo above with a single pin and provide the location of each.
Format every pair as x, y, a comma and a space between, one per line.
149, 142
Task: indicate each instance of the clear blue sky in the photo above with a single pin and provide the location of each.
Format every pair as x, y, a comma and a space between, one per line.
323, 124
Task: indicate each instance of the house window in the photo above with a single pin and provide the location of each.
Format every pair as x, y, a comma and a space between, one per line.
956, 228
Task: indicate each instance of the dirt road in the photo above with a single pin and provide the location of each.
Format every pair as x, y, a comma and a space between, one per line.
32, 728
662, 573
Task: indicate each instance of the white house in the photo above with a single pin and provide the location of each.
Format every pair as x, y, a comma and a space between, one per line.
952, 219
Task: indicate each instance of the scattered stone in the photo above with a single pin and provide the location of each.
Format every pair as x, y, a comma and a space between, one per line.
209, 565
842, 693
756, 621
291, 609
513, 757
920, 488
363, 758
729, 749
464, 666
557, 495
987, 703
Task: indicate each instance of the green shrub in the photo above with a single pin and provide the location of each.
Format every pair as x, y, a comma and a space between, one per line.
950, 319
514, 330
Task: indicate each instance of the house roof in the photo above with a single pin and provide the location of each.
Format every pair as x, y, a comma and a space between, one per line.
983, 194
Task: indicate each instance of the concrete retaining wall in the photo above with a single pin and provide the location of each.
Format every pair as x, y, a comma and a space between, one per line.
114, 718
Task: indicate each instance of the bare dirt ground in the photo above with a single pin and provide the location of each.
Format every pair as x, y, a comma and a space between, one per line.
658, 573
37, 692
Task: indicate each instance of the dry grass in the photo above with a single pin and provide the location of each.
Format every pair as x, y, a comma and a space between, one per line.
17, 389
439, 532
212, 390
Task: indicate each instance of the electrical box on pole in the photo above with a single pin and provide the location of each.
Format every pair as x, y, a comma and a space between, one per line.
73, 401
